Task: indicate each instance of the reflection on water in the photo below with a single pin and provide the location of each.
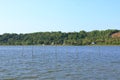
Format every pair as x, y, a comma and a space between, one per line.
59, 63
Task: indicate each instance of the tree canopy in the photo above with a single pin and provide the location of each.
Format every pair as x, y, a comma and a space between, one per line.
102, 37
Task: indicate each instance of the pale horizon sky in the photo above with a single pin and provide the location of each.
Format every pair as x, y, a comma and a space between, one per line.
27, 16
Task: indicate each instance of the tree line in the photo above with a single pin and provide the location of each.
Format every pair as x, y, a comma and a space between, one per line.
97, 37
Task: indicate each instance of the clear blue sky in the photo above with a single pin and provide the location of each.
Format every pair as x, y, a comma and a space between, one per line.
25, 16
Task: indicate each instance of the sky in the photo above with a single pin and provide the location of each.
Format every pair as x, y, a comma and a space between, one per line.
27, 16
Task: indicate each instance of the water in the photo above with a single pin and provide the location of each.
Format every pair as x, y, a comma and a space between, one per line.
59, 62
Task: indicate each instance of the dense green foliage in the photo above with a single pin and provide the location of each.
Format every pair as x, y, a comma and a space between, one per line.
61, 38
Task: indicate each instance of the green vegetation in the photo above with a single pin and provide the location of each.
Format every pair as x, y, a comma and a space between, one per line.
61, 38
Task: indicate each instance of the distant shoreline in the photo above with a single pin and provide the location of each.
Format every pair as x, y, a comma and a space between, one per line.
96, 37
60, 45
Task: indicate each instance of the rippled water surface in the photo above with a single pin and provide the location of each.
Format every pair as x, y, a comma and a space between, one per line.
59, 62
